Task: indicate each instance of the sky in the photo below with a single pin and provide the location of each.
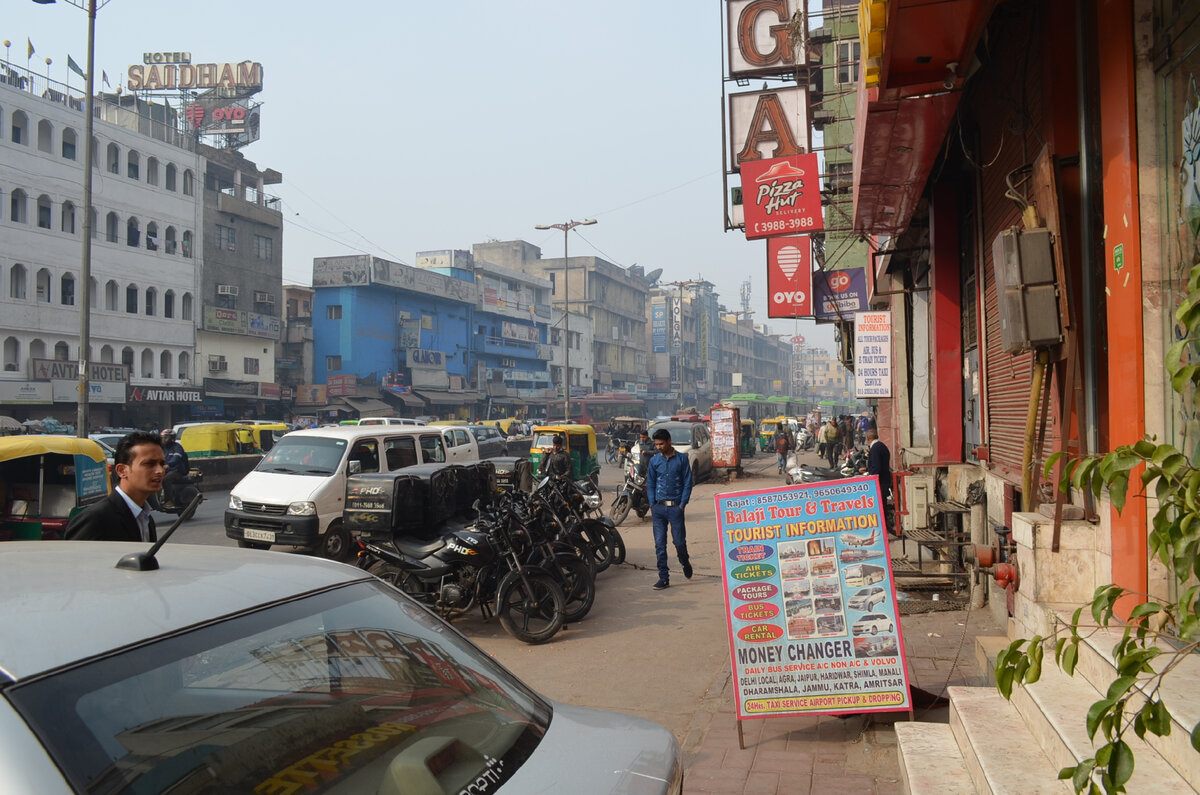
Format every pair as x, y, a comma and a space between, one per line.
410, 126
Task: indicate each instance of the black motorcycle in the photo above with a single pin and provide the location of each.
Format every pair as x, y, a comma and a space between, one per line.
573, 507
175, 497
632, 494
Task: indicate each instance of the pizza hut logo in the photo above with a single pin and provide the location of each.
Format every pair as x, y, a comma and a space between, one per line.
839, 282
780, 186
195, 115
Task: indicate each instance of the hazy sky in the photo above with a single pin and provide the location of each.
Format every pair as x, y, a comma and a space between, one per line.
406, 126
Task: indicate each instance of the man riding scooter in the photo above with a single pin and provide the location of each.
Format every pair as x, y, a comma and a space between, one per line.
176, 475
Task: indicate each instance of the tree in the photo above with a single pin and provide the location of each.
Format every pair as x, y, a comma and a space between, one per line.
1133, 699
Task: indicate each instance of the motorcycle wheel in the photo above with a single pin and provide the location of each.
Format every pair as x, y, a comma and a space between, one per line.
529, 605
596, 537
578, 585
620, 508
400, 580
618, 547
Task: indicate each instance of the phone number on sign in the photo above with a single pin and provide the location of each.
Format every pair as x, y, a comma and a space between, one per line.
786, 224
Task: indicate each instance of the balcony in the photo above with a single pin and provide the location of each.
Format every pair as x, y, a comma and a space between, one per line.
506, 347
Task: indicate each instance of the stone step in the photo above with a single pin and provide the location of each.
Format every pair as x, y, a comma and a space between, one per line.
987, 649
930, 761
1000, 753
1178, 692
1055, 710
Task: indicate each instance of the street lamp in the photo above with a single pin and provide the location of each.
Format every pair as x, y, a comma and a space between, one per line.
85, 266
566, 227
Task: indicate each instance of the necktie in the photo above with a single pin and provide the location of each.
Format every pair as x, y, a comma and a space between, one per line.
143, 521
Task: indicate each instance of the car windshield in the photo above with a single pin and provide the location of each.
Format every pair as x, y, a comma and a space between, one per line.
681, 437
303, 455
354, 689
544, 440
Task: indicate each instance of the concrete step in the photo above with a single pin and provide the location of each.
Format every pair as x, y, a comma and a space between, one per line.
1055, 711
1178, 692
1000, 753
930, 761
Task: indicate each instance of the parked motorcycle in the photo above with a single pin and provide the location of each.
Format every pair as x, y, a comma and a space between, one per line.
567, 500
631, 495
175, 497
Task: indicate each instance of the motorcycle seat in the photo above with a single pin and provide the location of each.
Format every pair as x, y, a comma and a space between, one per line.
418, 547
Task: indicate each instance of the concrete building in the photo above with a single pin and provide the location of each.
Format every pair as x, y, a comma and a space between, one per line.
146, 255
294, 362
684, 345
581, 343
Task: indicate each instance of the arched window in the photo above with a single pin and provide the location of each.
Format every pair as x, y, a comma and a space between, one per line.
20, 128
131, 299
43, 212
16, 282
111, 225
68, 143
17, 207
68, 218
189, 183
170, 182
45, 136
12, 354
151, 236
164, 364
43, 286
185, 366
132, 232
133, 163
151, 170
187, 243
37, 350
61, 352
114, 159
151, 300
169, 303
127, 357
66, 289
147, 363
111, 293
185, 309
106, 354
171, 243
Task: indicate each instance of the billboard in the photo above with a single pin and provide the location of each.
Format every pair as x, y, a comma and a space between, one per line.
872, 354
768, 124
781, 196
789, 277
658, 328
810, 602
839, 294
757, 37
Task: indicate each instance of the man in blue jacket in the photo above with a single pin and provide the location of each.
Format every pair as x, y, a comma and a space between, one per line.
669, 487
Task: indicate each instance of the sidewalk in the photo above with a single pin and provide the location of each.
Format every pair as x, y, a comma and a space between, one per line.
827, 754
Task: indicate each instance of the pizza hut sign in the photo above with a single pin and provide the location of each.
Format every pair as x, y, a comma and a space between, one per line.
781, 196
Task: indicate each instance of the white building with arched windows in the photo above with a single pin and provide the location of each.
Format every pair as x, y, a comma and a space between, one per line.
145, 260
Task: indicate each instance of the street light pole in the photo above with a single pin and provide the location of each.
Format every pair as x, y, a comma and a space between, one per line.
566, 227
85, 265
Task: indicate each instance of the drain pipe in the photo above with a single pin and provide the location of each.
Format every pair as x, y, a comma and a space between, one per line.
1087, 228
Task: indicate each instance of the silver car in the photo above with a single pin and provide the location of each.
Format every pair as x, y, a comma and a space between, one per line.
693, 440
491, 441
228, 671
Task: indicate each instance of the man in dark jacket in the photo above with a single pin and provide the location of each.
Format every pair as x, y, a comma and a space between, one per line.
123, 515
558, 463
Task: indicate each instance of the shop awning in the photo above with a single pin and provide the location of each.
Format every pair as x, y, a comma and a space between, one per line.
443, 397
367, 407
407, 398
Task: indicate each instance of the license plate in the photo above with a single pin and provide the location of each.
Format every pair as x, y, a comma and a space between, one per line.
258, 535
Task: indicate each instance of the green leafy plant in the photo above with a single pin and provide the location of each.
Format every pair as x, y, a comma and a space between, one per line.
1158, 634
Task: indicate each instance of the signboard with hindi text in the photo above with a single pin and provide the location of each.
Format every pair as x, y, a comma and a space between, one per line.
810, 601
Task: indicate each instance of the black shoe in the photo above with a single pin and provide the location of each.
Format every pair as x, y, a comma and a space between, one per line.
661, 585
687, 571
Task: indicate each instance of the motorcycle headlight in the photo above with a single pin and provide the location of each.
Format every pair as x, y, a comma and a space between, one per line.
592, 500
235, 503
303, 508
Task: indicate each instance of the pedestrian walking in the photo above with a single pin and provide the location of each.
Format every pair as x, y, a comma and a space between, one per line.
669, 487
783, 445
829, 438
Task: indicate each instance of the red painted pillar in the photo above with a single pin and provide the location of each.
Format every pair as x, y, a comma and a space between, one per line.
945, 372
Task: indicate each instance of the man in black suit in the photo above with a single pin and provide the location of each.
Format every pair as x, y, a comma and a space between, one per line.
123, 515
879, 464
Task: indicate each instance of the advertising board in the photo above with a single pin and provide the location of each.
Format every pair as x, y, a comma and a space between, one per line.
725, 431
872, 354
782, 196
789, 276
810, 601
658, 328
839, 294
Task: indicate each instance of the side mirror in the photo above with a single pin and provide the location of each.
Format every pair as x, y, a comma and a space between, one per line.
354, 467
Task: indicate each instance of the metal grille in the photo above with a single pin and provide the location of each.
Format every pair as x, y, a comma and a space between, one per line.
264, 508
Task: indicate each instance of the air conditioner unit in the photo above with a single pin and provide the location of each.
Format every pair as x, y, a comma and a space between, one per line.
227, 289
263, 298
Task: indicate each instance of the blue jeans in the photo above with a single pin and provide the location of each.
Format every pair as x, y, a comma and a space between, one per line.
781, 460
662, 515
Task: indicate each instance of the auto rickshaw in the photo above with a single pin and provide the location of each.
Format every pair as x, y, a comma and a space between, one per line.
44, 481
766, 432
213, 439
505, 425
265, 434
748, 438
578, 440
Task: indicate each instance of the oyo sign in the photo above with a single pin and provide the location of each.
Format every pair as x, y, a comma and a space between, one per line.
789, 277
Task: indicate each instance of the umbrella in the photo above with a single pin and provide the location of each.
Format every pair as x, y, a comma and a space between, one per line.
9, 425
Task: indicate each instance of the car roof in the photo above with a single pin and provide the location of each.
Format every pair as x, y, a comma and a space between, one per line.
672, 425
352, 432
66, 601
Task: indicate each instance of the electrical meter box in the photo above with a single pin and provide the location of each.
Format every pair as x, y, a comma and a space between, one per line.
1026, 289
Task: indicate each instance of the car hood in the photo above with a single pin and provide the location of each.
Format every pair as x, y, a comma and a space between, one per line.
279, 488
594, 751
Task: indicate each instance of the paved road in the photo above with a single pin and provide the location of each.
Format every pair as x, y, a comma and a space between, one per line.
650, 653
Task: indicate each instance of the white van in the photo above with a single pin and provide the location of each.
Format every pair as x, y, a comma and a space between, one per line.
389, 421
296, 494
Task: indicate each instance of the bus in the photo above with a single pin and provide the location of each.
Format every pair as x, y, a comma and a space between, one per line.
860, 574
596, 410
752, 406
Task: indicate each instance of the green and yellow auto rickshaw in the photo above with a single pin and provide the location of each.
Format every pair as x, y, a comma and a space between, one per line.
749, 438
578, 440
212, 439
766, 432
44, 481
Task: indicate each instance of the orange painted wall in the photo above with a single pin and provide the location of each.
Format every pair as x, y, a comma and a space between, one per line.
1125, 399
